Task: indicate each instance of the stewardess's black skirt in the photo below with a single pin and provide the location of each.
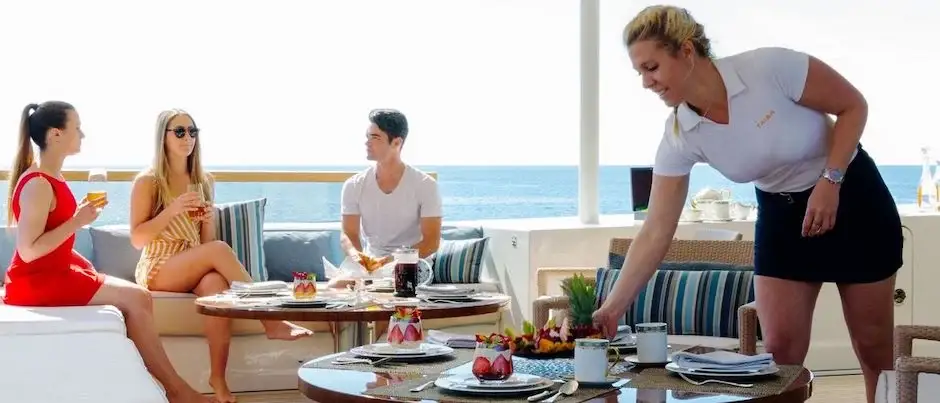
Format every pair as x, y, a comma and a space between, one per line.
863, 247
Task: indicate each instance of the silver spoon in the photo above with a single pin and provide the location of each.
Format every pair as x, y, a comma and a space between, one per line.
567, 389
421, 387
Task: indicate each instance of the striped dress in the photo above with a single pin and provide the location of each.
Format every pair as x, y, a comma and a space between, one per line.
181, 234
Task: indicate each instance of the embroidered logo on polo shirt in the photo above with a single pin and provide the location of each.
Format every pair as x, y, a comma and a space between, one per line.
767, 116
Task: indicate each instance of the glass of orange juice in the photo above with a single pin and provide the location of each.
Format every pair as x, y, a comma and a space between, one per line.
98, 175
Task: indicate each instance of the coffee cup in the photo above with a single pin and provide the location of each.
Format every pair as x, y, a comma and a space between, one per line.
651, 345
590, 360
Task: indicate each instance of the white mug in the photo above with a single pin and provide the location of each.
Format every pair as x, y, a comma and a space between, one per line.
590, 360
651, 343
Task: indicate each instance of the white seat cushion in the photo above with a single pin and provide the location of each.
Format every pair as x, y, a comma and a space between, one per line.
168, 294
21, 320
92, 367
928, 388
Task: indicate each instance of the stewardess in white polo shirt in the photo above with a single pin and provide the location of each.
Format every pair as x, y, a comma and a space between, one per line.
825, 213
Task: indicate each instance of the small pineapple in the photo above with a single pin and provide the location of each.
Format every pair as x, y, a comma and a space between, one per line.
580, 292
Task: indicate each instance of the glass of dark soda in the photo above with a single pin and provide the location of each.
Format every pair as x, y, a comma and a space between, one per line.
406, 272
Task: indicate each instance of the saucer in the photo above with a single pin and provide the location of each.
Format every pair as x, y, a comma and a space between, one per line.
642, 364
605, 384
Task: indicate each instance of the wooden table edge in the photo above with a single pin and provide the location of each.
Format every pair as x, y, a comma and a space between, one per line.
303, 315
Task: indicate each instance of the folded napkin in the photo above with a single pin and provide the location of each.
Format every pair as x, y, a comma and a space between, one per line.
260, 286
451, 340
723, 360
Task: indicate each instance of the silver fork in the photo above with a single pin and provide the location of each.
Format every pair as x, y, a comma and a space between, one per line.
361, 361
707, 381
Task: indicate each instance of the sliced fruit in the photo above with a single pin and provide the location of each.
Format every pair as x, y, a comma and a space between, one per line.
502, 366
481, 365
395, 335
412, 333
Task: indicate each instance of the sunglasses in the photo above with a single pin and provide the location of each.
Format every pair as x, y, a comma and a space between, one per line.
180, 131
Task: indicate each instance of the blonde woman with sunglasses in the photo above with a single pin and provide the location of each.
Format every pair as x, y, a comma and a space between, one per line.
171, 221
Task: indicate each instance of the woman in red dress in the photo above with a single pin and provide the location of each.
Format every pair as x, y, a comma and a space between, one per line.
45, 270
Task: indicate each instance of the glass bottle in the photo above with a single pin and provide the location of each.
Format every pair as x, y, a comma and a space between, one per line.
936, 184
926, 189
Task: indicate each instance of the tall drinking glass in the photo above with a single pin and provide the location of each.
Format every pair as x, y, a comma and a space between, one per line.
200, 212
97, 193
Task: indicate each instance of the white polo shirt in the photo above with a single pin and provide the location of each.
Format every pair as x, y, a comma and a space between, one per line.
391, 220
769, 140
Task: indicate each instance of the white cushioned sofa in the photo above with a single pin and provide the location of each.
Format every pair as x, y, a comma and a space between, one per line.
71, 354
255, 363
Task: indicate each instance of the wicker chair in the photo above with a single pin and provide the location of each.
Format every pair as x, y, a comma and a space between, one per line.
912, 377
733, 252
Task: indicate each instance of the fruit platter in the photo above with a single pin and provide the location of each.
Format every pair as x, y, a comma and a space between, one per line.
557, 341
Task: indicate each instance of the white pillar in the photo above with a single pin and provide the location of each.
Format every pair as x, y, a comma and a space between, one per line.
589, 162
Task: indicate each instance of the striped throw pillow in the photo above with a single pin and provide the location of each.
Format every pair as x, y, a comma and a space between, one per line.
459, 261
240, 225
692, 298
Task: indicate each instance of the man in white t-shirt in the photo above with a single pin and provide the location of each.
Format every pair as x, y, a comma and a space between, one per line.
391, 204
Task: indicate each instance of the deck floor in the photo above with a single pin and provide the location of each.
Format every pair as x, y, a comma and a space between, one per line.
828, 389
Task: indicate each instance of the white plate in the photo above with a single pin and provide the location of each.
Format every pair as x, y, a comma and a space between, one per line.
457, 384
515, 381
385, 350
723, 373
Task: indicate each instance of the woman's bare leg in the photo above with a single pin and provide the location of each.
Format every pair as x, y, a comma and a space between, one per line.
785, 310
137, 306
869, 315
182, 272
218, 332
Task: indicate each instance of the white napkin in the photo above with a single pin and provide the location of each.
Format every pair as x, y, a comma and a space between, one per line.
452, 340
444, 290
723, 360
260, 286
351, 269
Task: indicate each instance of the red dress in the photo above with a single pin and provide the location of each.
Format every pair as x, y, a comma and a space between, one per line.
60, 278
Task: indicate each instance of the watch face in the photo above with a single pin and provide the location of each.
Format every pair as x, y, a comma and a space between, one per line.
834, 174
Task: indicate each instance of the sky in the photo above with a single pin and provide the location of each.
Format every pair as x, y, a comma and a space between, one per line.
491, 82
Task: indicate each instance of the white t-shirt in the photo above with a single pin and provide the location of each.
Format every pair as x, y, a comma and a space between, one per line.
391, 220
769, 140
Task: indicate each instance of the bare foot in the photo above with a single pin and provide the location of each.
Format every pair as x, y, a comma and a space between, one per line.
187, 396
222, 394
283, 330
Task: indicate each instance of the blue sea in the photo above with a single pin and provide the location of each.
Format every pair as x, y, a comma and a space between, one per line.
468, 192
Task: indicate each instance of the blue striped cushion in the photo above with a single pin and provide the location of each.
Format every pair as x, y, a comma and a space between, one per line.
240, 225
459, 261
693, 298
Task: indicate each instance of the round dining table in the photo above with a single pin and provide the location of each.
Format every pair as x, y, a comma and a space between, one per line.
350, 386
237, 308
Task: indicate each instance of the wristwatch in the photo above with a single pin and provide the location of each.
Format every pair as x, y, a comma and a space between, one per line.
833, 175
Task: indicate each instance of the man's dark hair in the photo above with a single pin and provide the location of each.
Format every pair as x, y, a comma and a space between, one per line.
390, 121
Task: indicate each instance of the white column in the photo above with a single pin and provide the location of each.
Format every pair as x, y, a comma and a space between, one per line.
589, 162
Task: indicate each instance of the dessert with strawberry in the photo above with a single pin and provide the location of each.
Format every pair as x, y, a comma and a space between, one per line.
492, 360
305, 285
404, 327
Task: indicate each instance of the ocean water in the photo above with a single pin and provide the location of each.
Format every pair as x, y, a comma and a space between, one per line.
468, 192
